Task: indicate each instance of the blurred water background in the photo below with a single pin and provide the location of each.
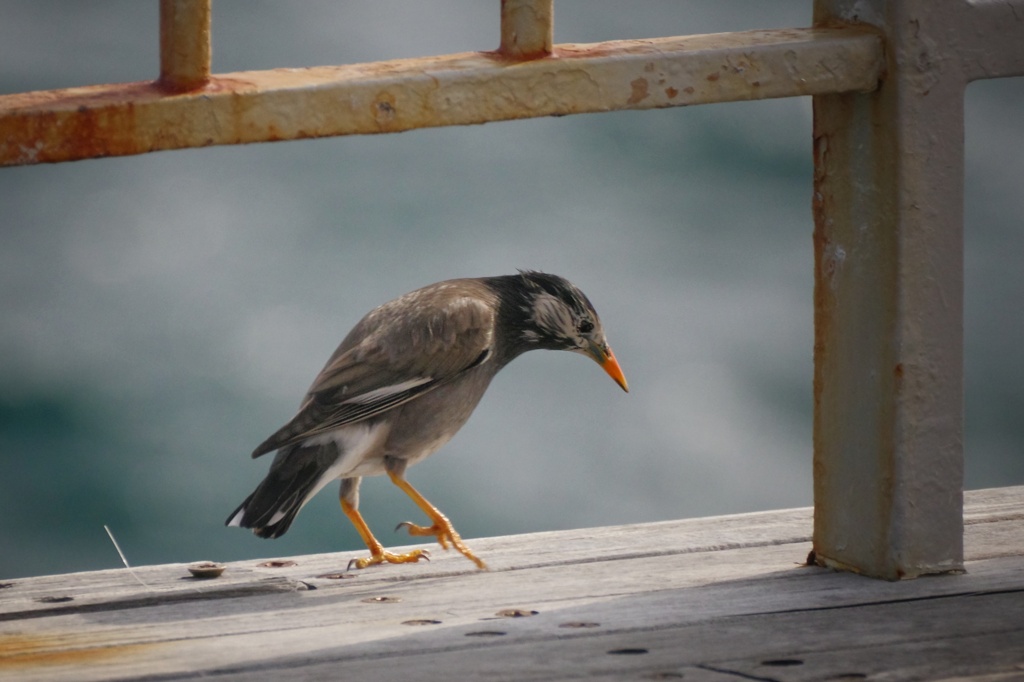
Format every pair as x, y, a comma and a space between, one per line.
162, 314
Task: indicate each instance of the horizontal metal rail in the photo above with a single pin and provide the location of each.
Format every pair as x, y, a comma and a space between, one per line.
458, 89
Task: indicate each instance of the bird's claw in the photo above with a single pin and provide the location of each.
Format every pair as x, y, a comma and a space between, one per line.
383, 557
444, 534
441, 534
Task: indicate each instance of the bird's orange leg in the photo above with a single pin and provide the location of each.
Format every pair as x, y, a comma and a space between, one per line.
377, 553
442, 528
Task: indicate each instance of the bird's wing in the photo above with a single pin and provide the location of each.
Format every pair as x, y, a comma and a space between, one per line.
396, 353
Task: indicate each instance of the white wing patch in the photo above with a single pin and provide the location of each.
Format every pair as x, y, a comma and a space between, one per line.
385, 391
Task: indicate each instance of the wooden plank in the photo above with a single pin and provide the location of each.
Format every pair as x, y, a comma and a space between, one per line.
705, 598
531, 551
803, 644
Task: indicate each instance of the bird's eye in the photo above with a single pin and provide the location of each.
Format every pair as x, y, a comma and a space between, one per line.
585, 327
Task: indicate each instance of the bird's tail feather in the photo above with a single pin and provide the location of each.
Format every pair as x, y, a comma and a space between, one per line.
271, 508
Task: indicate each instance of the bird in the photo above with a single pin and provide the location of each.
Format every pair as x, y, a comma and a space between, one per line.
400, 385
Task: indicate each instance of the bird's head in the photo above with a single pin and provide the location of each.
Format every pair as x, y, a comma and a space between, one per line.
556, 315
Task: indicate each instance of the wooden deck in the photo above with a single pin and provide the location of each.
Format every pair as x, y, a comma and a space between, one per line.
721, 598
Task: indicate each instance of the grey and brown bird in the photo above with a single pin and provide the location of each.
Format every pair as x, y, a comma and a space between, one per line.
402, 383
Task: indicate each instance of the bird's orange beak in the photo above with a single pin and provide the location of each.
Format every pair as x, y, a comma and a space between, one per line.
602, 354
611, 366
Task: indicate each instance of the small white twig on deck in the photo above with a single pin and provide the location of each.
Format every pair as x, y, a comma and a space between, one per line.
123, 559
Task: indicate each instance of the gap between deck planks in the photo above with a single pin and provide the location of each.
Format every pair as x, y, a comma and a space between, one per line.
709, 599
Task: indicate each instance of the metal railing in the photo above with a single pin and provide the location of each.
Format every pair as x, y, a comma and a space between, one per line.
525, 77
888, 82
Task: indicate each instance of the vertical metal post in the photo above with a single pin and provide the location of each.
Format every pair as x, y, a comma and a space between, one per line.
888, 348
527, 28
184, 44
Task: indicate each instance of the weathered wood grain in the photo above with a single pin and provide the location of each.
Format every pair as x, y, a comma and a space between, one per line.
709, 599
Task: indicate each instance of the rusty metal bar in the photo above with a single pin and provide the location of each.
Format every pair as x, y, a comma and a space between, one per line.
184, 44
993, 45
888, 378
527, 28
284, 104
888, 242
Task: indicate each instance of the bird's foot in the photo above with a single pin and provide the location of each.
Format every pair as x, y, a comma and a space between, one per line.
444, 533
382, 557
